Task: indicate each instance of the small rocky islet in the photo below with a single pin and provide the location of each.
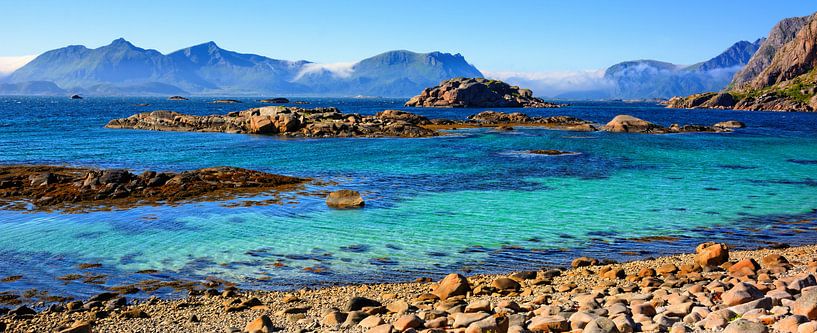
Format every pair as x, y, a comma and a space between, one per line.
331, 122
714, 289
47, 188
477, 93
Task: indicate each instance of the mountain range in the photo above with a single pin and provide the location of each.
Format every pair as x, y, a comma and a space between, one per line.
122, 68
781, 76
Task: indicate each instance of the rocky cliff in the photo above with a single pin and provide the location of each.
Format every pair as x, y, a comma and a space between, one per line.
477, 93
781, 76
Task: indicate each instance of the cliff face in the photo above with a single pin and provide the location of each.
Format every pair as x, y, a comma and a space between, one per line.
795, 58
783, 32
781, 76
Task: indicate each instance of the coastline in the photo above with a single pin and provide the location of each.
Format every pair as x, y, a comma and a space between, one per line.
534, 295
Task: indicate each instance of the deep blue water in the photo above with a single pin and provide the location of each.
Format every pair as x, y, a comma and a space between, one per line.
469, 201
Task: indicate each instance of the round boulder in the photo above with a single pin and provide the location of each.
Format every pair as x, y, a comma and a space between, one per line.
343, 199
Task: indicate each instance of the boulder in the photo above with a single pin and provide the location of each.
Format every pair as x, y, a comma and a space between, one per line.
730, 124
452, 285
711, 254
343, 199
358, 303
261, 324
745, 326
630, 124
806, 305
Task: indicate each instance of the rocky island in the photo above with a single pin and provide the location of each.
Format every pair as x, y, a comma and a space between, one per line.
781, 76
284, 121
45, 188
477, 93
330, 122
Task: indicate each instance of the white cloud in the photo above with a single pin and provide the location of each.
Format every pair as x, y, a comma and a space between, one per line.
11, 64
340, 69
549, 84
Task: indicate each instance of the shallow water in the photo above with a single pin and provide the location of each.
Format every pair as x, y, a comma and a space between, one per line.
471, 201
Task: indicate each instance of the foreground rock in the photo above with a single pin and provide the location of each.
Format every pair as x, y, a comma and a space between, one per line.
477, 93
285, 121
630, 124
668, 294
69, 189
344, 199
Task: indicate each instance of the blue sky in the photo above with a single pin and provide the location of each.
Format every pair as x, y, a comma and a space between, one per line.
525, 36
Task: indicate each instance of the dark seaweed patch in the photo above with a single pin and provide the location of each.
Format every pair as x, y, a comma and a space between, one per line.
356, 248
804, 162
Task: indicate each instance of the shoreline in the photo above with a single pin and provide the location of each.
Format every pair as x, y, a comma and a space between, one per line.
320, 309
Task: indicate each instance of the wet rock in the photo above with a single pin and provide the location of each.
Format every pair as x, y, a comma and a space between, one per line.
730, 124
452, 285
344, 199
550, 152
584, 262
22, 311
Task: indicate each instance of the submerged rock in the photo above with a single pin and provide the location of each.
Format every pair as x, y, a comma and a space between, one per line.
345, 199
550, 152
50, 187
225, 101
477, 93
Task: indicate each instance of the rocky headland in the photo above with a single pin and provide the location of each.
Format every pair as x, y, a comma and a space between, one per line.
781, 76
713, 290
477, 93
47, 188
284, 121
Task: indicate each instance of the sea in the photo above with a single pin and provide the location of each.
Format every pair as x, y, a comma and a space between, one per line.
471, 201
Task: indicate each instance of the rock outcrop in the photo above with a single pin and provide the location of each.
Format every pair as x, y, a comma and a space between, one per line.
286, 121
629, 124
477, 93
63, 188
781, 76
345, 199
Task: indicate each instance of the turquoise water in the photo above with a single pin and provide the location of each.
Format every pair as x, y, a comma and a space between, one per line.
471, 201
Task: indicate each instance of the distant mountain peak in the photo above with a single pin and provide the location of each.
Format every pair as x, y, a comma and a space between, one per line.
121, 42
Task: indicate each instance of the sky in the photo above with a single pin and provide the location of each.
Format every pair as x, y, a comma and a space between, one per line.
496, 36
